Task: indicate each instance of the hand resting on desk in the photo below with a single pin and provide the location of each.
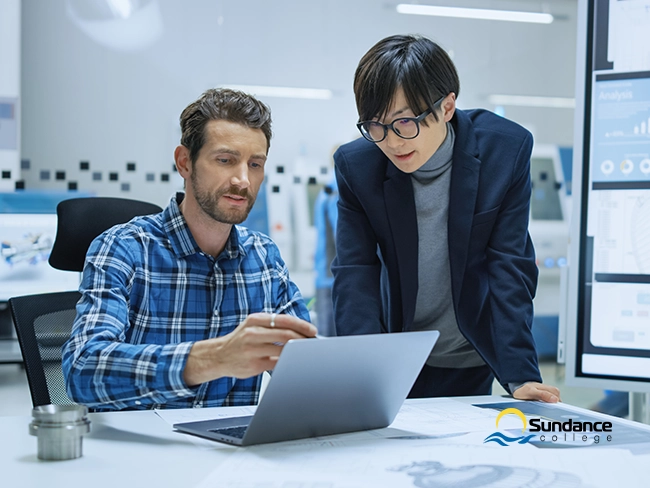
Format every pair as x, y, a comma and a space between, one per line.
537, 391
252, 348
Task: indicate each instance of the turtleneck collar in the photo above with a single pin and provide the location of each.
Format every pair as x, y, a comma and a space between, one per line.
440, 161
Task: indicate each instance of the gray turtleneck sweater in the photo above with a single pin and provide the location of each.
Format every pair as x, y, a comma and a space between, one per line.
434, 308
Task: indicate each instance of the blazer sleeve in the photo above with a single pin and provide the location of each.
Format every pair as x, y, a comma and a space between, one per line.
356, 291
512, 273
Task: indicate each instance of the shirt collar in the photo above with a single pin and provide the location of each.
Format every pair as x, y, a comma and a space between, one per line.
181, 239
234, 247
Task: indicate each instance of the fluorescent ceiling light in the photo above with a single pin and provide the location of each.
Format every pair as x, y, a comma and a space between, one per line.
526, 101
475, 13
284, 91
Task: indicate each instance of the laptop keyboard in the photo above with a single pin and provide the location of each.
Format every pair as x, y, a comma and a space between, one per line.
236, 432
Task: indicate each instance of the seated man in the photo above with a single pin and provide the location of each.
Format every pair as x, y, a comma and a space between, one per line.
181, 308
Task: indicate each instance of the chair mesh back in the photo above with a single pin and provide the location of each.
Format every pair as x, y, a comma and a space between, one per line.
52, 330
43, 323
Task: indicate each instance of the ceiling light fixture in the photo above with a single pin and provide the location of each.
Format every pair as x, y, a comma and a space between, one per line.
284, 91
531, 101
475, 13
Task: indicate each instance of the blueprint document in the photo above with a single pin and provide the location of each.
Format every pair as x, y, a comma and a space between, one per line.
437, 443
423, 463
624, 434
419, 418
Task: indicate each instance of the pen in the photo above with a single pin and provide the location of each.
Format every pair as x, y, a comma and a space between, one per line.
285, 306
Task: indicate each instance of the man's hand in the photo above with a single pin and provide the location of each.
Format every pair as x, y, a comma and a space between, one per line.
252, 348
537, 391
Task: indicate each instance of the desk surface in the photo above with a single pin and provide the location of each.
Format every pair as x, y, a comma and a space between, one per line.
141, 449
10, 351
136, 446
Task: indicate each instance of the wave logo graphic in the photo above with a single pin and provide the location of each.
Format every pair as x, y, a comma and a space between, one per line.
504, 440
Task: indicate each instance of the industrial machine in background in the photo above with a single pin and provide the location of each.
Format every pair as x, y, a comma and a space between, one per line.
550, 215
288, 201
291, 192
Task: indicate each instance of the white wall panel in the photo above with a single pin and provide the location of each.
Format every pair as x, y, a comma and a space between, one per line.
87, 101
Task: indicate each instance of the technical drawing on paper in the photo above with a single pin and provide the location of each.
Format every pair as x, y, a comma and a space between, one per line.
429, 474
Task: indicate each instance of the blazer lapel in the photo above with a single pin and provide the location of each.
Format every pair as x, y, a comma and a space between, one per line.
400, 208
465, 171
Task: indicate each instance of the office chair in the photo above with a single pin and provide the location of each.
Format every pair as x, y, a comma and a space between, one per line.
80, 220
43, 322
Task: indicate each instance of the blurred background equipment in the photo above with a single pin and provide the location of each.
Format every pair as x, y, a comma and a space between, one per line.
325, 217
549, 229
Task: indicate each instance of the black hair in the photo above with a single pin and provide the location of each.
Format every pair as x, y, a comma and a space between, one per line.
416, 64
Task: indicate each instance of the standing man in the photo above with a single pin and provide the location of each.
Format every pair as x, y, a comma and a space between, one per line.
182, 308
433, 225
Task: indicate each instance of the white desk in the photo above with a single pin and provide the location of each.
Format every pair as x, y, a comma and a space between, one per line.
10, 351
123, 449
141, 449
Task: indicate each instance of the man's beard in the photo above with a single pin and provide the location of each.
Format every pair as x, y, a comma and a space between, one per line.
209, 202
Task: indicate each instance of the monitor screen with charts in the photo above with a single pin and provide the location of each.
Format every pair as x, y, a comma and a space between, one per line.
616, 245
608, 338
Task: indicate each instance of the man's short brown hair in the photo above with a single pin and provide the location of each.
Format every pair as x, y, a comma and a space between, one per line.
222, 104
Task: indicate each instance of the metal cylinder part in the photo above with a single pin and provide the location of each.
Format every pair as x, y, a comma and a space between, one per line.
60, 430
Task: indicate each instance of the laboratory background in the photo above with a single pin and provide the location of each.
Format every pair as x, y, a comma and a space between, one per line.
91, 92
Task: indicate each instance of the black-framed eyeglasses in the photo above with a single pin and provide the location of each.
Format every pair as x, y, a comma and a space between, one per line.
404, 127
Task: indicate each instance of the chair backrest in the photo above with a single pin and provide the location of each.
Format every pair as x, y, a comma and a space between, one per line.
80, 220
44, 322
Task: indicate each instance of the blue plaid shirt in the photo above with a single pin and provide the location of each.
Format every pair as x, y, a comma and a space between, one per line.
149, 293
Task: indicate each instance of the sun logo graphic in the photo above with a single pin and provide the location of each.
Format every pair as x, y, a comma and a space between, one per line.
504, 440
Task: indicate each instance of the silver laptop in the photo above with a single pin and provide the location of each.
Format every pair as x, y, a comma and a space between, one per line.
328, 386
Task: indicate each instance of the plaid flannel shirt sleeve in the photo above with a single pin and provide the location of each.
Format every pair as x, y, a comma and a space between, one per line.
100, 368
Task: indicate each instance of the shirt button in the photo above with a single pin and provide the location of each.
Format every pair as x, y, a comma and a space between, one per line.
197, 406
216, 312
138, 402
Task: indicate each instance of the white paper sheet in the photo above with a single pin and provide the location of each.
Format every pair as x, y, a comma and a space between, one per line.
398, 463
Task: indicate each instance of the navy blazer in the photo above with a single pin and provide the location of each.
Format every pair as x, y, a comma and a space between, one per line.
492, 260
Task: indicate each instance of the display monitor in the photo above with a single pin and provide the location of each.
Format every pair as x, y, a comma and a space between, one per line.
25, 244
27, 230
608, 319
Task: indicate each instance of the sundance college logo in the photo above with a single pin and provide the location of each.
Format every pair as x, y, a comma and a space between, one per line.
571, 431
